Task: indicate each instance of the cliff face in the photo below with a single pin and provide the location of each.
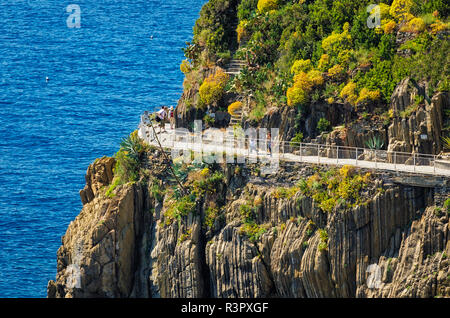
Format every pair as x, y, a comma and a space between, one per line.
394, 245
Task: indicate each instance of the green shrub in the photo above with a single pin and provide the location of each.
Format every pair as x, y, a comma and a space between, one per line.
179, 208
447, 206
297, 139
116, 182
407, 112
156, 190
183, 237
211, 30
257, 113
323, 125
247, 212
287, 193
211, 215
253, 231
207, 184
246, 9
323, 245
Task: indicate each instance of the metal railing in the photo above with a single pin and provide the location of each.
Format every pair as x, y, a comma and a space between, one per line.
305, 152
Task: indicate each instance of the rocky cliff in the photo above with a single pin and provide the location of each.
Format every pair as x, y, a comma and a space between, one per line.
128, 244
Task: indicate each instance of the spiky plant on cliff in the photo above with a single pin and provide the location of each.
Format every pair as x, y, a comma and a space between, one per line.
446, 142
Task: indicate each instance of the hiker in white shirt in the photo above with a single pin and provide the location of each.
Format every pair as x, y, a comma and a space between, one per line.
161, 116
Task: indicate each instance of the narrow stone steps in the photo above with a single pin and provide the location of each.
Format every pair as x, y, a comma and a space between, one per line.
232, 73
234, 67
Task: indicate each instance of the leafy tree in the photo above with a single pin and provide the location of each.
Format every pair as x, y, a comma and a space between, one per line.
246, 9
212, 31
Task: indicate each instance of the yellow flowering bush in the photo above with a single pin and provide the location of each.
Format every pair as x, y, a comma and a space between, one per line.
388, 26
257, 201
301, 66
400, 9
368, 95
335, 71
384, 10
298, 93
185, 66
234, 107
241, 30
415, 25
348, 93
204, 172
315, 77
213, 87
345, 56
267, 5
437, 27
324, 62
337, 42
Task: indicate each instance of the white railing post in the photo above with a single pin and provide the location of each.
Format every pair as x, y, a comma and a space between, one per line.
376, 166
318, 153
434, 164
337, 154
356, 156
414, 162
301, 159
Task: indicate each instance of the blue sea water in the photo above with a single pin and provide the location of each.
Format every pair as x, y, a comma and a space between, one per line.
101, 77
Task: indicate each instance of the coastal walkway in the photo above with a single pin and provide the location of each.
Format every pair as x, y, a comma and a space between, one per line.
413, 163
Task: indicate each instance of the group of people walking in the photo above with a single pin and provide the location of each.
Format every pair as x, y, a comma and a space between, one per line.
164, 115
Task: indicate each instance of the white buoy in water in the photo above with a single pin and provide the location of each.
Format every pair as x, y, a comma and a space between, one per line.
47, 79
151, 37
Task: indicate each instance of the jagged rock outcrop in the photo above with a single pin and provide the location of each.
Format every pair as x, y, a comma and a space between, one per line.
98, 175
125, 246
176, 259
421, 267
422, 130
97, 256
357, 135
103, 253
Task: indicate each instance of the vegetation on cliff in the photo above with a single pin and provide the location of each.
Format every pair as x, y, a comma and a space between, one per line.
303, 53
128, 161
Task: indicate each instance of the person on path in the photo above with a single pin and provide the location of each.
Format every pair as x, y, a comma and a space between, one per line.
161, 118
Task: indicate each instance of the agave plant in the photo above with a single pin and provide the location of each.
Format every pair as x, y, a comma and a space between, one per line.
446, 142
375, 143
133, 146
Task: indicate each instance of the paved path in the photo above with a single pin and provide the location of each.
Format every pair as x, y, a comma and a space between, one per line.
424, 164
